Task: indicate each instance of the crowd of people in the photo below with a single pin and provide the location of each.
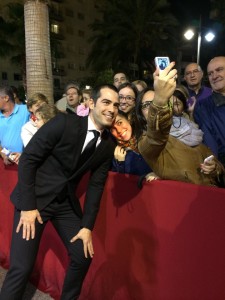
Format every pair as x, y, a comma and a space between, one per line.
167, 131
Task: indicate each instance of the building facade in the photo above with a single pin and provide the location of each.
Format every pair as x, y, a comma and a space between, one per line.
70, 33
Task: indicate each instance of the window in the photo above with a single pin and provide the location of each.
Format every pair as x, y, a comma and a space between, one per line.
71, 66
81, 68
81, 51
80, 16
81, 33
69, 30
55, 28
17, 77
4, 76
69, 13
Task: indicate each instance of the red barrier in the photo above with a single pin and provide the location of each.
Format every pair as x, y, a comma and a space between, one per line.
165, 242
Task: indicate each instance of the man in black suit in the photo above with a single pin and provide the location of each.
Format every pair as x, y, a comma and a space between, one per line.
49, 171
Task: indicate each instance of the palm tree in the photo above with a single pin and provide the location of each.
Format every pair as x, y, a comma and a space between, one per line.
38, 54
131, 30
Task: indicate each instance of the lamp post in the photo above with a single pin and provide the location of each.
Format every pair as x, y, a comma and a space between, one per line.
189, 34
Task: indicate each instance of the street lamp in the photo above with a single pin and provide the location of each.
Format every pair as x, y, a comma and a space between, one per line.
189, 34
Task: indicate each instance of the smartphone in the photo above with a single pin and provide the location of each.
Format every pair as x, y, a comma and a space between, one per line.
209, 158
162, 62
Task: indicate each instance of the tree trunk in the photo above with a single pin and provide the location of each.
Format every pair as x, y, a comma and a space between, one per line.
38, 54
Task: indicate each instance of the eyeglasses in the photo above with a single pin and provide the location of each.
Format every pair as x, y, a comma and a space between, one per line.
194, 72
146, 105
127, 98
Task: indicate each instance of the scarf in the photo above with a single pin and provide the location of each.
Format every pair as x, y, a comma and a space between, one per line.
186, 131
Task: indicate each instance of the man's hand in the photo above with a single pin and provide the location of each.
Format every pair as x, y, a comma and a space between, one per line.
15, 157
12, 158
164, 84
192, 105
27, 220
5, 159
85, 235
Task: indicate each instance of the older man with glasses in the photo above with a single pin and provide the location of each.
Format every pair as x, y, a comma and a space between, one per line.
210, 113
193, 75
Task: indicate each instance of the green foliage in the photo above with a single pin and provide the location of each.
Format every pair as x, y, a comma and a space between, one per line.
102, 77
131, 31
105, 76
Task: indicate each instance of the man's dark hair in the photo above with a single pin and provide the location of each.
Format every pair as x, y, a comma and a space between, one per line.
121, 71
7, 91
96, 92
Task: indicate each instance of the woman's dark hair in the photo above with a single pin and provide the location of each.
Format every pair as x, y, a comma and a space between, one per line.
140, 122
132, 117
131, 86
122, 114
181, 93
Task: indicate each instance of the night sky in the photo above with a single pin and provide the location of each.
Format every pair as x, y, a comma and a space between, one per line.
188, 10
188, 13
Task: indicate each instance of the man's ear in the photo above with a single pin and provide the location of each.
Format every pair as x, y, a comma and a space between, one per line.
91, 103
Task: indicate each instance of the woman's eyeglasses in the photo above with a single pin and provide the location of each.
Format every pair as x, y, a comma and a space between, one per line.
127, 98
146, 105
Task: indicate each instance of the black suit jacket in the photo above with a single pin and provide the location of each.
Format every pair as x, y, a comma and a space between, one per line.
48, 167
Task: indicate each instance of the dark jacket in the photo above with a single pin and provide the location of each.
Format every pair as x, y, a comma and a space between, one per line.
48, 167
134, 164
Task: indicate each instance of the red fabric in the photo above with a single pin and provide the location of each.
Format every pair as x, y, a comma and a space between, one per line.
164, 242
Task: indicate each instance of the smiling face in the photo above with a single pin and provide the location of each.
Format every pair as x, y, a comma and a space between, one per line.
127, 99
104, 111
121, 129
216, 74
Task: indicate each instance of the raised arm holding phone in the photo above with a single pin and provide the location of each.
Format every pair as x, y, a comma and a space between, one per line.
169, 157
